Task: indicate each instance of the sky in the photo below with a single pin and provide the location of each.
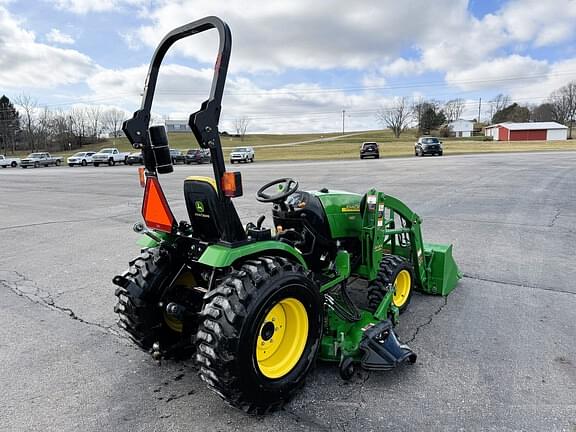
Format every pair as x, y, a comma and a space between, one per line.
296, 64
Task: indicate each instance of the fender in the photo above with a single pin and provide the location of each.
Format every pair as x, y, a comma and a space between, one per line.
219, 255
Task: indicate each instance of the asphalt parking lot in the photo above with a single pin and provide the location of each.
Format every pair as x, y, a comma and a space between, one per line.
498, 354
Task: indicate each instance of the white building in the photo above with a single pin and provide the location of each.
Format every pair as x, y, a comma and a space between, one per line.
177, 126
461, 128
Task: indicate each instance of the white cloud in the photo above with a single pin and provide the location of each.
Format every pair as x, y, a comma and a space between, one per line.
56, 36
288, 108
542, 22
24, 62
310, 35
559, 74
401, 66
512, 71
86, 6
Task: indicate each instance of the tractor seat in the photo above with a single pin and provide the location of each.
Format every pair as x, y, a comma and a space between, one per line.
211, 219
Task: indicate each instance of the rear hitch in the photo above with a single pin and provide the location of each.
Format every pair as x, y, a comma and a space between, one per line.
382, 350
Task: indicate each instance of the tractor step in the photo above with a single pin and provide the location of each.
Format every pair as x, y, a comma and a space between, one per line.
382, 350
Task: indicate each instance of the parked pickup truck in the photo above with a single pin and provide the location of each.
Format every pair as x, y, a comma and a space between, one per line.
9, 162
40, 159
109, 156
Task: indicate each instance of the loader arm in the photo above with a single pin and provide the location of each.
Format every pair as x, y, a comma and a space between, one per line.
434, 267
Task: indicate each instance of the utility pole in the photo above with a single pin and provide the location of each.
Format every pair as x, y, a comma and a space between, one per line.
343, 114
479, 108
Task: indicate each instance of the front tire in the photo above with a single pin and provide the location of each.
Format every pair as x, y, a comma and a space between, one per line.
96, 164
260, 335
397, 272
111, 162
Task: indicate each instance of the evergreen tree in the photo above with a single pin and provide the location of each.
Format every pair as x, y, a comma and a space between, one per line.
9, 125
512, 113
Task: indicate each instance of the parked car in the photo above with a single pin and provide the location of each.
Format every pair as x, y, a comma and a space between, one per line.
369, 149
135, 159
109, 156
177, 156
197, 156
428, 145
80, 158
39, 159
9, 162
242, 154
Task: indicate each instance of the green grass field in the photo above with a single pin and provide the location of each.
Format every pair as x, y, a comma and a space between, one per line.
333, 146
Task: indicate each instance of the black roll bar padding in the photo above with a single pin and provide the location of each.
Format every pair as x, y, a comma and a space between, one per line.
204, 123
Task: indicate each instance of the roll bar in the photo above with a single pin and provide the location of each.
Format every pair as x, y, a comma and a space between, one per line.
204, 122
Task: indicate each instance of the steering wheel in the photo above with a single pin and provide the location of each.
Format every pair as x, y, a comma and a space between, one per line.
286, 187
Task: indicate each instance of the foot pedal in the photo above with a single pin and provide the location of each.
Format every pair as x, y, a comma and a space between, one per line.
382, 350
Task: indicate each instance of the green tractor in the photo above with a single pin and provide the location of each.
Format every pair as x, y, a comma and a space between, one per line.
256, 307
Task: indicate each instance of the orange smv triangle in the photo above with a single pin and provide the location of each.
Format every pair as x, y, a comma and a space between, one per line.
155, 209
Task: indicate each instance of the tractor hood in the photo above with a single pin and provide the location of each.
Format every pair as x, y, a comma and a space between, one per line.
342, 211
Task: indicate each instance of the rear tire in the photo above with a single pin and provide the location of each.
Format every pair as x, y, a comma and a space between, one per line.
57, 163
395, 271
13, 164
139, 292
245, 355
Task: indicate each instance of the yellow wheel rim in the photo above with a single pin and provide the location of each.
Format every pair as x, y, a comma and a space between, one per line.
185, 280
402, 285
173, 323
282, 338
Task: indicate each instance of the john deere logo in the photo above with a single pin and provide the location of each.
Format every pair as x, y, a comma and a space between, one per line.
199, 206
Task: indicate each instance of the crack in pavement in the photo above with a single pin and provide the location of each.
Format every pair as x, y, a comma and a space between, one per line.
430, 319
65, 221
555, 218
28, 289
306, 421
518, 284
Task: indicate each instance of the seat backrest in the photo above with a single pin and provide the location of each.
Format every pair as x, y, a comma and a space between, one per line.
208, 215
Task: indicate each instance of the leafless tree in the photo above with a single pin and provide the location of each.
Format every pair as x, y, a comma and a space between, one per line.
241, 124
112, 120
395, 116
79, 124
28, 107
453, 109
94, 116
564, 102
542, 112
497, 104
500, 102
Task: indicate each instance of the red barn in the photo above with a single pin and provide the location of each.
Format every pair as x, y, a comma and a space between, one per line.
533, 131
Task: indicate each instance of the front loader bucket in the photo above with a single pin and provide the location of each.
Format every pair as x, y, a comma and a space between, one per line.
442, 271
